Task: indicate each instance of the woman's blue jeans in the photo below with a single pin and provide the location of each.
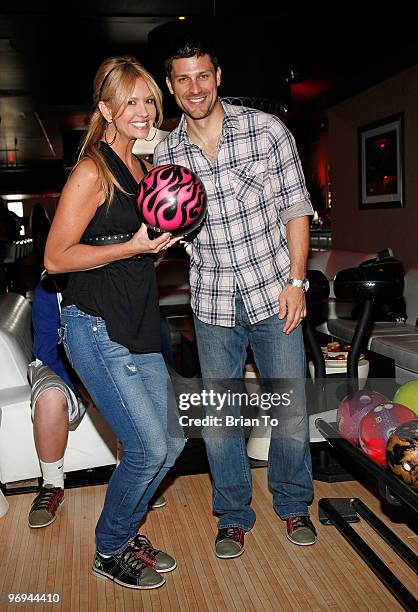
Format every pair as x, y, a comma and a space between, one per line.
222, 355
133, 392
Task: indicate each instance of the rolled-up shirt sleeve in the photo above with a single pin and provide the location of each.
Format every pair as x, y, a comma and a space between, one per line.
290, 194
299, 209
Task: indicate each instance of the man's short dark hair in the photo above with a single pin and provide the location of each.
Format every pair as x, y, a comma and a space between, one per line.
191, 45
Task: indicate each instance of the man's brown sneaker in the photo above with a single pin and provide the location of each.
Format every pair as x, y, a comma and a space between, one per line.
300, 530
229, 543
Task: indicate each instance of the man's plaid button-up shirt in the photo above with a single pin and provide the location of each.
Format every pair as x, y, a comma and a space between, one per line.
254, 187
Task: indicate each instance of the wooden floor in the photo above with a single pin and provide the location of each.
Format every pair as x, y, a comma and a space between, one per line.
272, 575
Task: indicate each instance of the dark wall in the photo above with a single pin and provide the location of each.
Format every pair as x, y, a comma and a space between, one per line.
372, 230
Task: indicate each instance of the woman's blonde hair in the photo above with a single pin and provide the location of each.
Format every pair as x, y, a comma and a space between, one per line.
113, 84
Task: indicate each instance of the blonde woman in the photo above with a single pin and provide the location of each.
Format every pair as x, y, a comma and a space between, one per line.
110, 316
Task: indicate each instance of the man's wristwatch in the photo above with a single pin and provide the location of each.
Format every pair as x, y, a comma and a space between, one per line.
296, 282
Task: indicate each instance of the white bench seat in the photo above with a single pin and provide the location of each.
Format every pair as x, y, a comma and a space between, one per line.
91, 445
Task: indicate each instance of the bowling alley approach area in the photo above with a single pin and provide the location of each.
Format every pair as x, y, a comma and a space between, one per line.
271, 575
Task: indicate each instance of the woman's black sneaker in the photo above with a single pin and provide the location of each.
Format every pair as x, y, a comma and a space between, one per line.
127, 569
158, 501
158, 559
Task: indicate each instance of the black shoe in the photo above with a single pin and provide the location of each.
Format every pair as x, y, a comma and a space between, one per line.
127, 569
158, 559
229, 543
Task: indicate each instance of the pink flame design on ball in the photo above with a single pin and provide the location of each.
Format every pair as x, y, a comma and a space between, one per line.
172, 199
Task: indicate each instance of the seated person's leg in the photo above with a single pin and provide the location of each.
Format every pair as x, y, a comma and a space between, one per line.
50, 427
54, 407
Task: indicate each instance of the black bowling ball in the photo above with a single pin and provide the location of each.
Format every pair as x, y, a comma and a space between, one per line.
318, 291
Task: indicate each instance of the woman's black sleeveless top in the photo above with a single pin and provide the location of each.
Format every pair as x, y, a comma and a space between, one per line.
124, 293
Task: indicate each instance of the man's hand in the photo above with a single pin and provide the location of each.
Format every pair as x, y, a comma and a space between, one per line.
293, 303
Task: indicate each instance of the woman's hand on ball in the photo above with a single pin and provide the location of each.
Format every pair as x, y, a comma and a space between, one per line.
141, 243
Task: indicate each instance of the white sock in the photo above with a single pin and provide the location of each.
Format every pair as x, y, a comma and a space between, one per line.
53, 473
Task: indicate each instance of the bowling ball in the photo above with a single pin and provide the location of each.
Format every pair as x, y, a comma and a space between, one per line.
377, 427
407, 395
353, 408
402, 452
172, 199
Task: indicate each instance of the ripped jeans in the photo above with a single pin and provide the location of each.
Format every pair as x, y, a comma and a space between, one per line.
133, 392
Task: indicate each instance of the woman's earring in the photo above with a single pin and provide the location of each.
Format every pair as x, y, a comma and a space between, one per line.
155, 133
114, 137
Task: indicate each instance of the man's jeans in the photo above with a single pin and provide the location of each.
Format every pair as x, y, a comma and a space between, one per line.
222, 355
133, 392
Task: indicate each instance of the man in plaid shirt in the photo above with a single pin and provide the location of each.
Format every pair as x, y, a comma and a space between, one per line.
247, 278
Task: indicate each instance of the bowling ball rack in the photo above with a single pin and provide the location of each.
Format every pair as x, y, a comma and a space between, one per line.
341, 512
374, 279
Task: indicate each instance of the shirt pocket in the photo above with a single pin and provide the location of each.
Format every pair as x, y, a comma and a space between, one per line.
248, 181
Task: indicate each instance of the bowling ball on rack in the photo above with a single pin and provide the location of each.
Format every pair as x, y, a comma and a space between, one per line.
377, 427
172, 199
402, 452
353, 408
407, 395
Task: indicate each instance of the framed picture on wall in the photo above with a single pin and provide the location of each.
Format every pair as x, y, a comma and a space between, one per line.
381, 165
